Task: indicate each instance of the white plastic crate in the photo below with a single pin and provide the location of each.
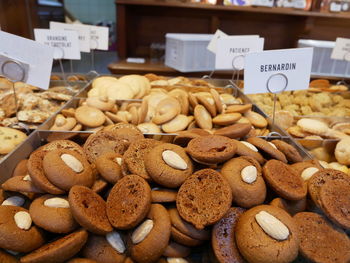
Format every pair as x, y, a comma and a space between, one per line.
322, 64
188, 52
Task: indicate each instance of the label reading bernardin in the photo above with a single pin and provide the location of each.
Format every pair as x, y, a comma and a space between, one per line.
278, 67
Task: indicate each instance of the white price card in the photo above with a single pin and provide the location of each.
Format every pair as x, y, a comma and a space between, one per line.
341, 51
230, 51
213, 42
31, 58
277, 70
83, 33
65, 43
99, 37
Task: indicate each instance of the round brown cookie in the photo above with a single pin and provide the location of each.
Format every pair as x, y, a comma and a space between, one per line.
258, 244
128, 202
21, 183
284, 181
292, 207
89, 210
175, 250
168, 165
66, 168
129, 134
335, 200
103, 142
99, 249
183, 239
63, 144
320, 178
120, 125
204, 198
288, 150
81, 260
320, 241
247, 184
265, 147
184, 137
234, 131
53, 214
15, 238
243, 150
21, 168
211, 149
153, 245
223, 237
7, 258
300, 167
187, 228
134, 156
109, 166
58, 250
162, 195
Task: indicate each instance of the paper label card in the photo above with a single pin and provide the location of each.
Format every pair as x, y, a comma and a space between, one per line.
65, 43
341, 51
99, 37
231, 50
83, 33
32, 57
277, 70
213, 42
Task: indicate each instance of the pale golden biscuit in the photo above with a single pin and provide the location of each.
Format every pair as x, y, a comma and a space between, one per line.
202, 117
256, 119
313, 126
226, 118
342, 151
284, 119
101, 103
10, 138
240, 108
90, 117
179, 123
208, 103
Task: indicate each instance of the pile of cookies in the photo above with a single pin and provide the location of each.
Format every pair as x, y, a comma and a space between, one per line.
34, 105
305, 103
167, 109
324, 85
124, 198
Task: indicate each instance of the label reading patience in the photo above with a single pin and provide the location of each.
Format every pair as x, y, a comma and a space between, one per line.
231, 50
277, 70
341, 51
64, 43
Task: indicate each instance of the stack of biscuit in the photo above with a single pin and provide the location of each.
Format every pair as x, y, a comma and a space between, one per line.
121, 197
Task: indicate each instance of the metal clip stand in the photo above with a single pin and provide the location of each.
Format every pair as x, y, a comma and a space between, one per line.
347, 59
93, 47
59, 55
15, 78
237, 65
210, 75
273, 85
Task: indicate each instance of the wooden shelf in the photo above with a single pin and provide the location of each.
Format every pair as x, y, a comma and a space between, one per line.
266, 10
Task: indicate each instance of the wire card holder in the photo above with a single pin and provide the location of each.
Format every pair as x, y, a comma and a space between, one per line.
93, 47
276, 83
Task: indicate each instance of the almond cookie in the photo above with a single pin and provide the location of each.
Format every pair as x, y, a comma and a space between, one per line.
163, 195
21, 184
186, 228
109, 167
334, 197
234, 131
89, 210
320, 178
223, 237
59, 250
128, 202
154, 230
175, 250
247, 184
211, 149
168, 165
16, 230
183, 239
134, 156
247, 149
129, 134
292, 207
53, 214
107, 249
65, 168
89, 116
200, 195
267, 148
320, 241
307, 169
288, 150
267, 234
103, 142
284, 181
